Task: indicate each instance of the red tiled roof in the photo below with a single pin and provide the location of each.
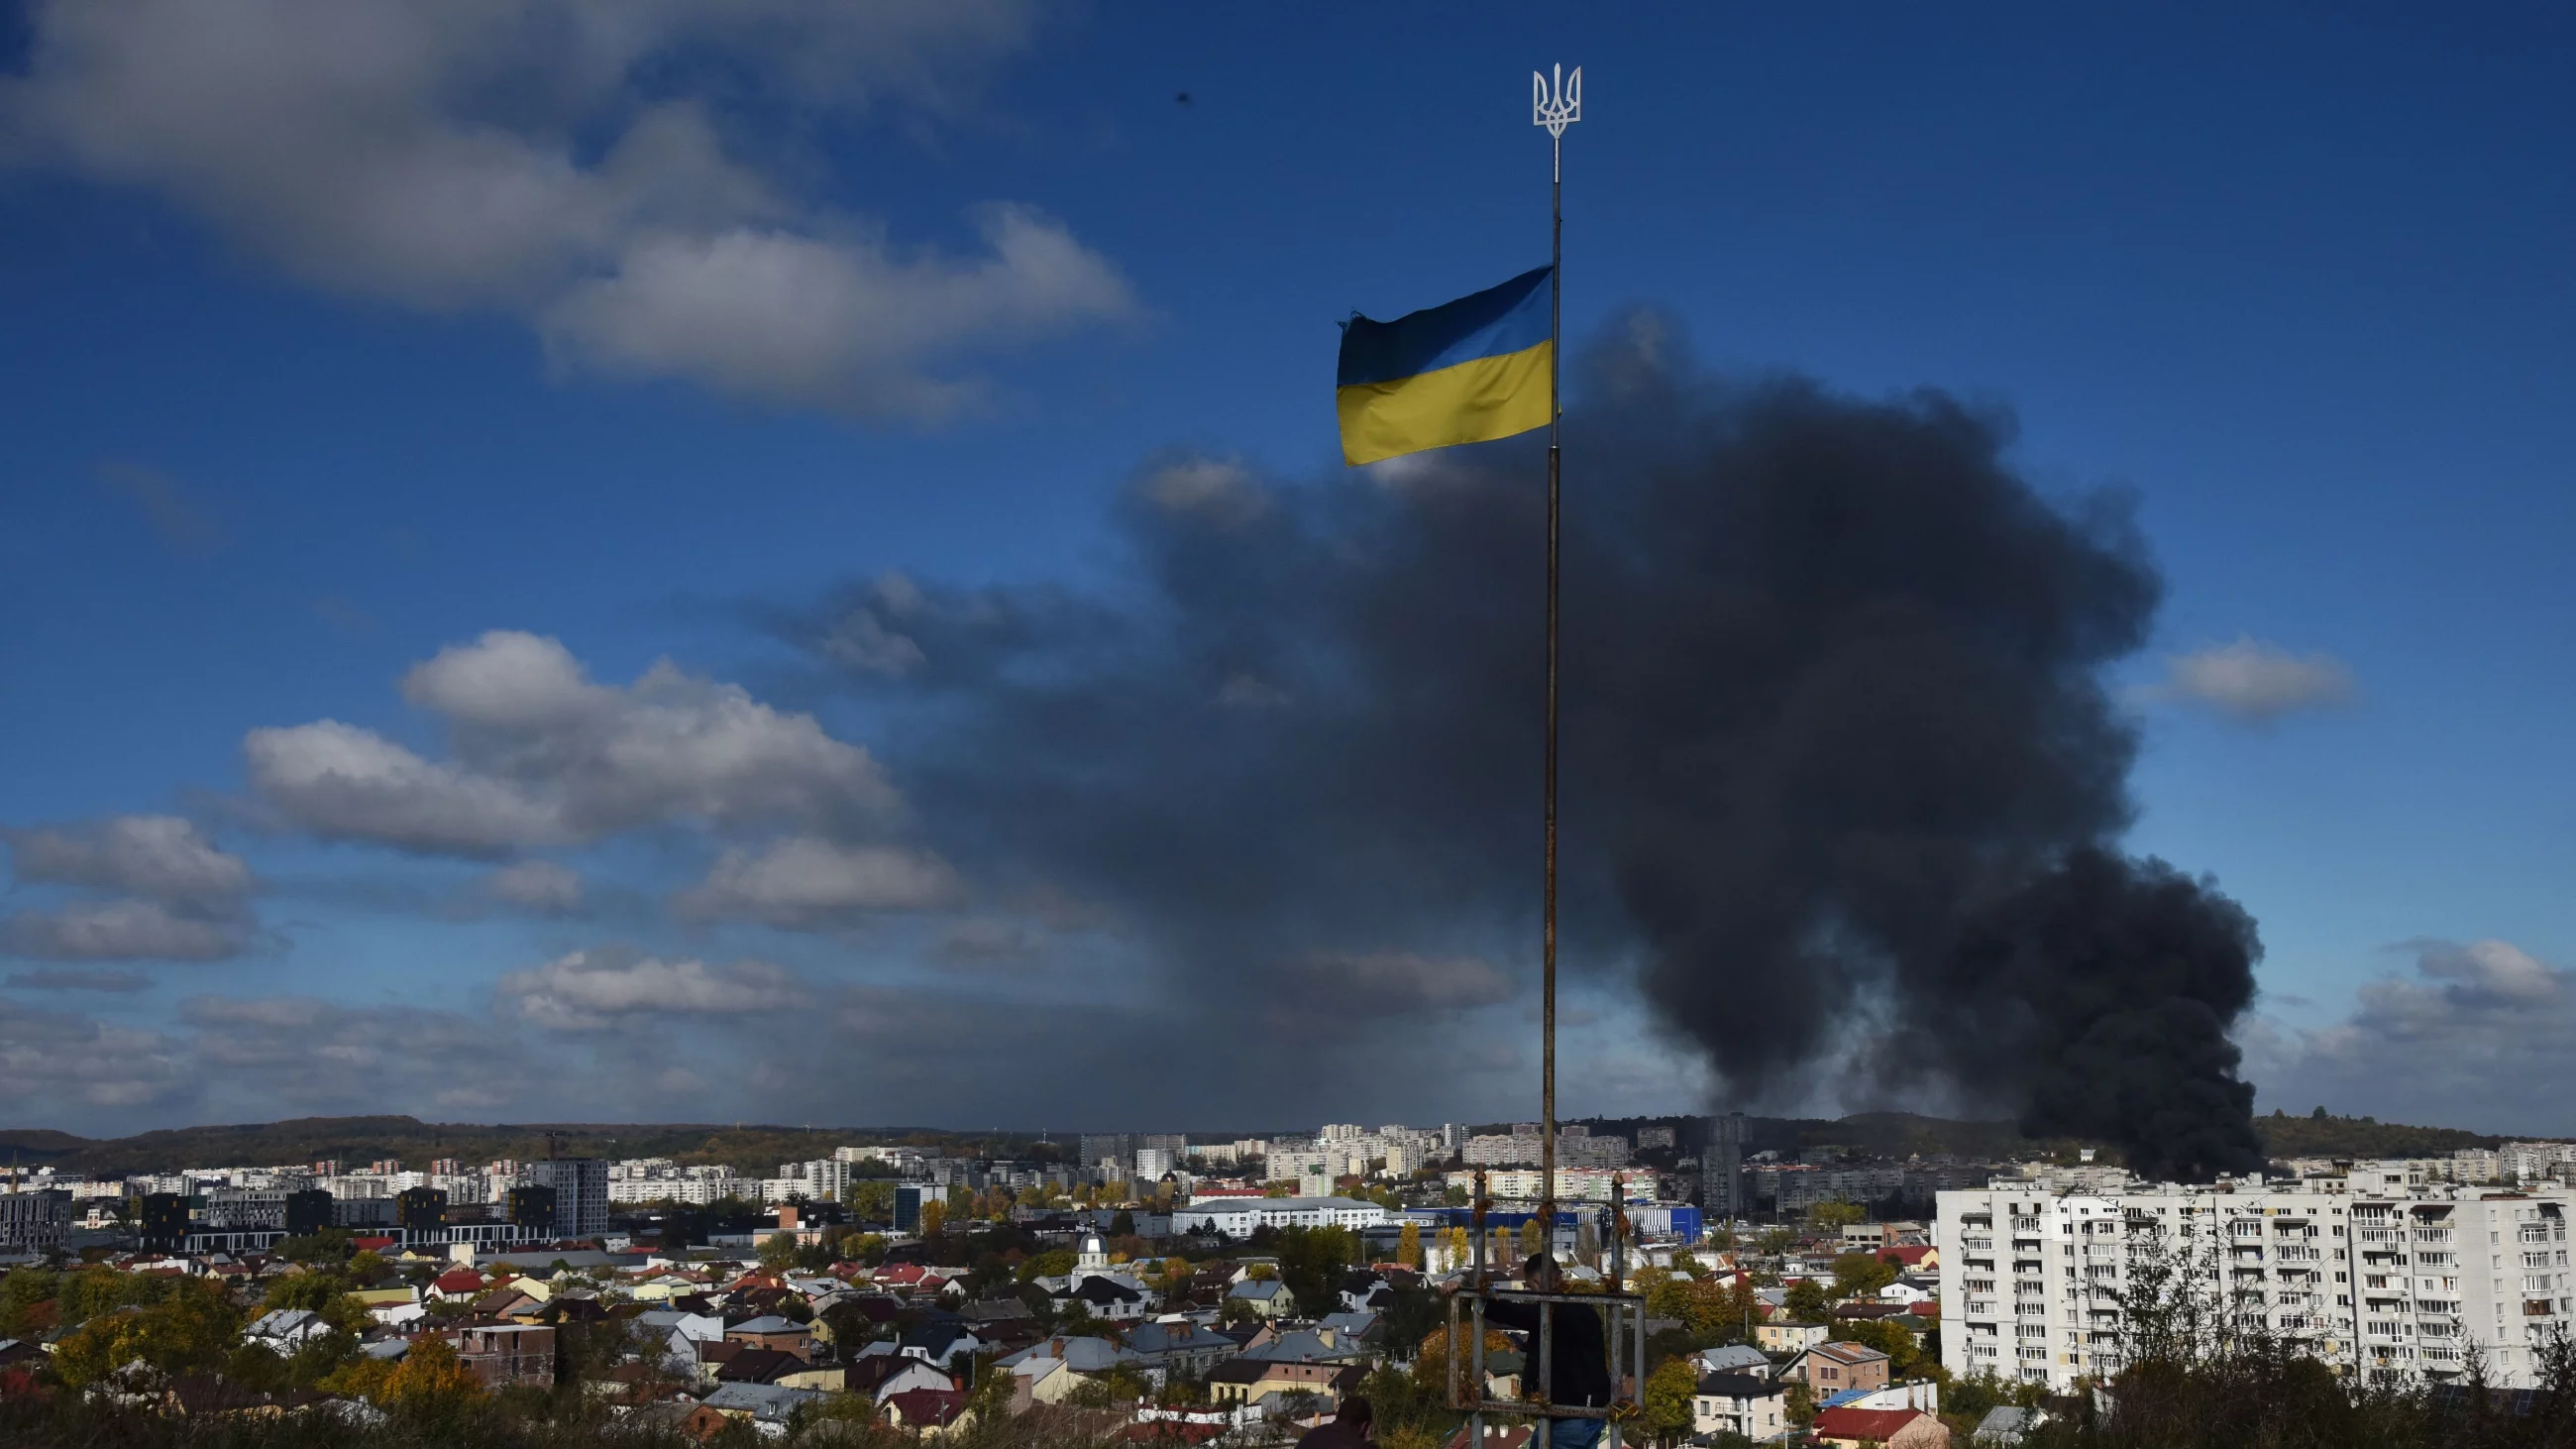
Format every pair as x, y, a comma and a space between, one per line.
1879, 1424
927, 1406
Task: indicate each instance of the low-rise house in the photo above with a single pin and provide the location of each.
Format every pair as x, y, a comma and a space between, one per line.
1756, 1407
1893, 1428
1266, 1296
1783, 1337
879, 1374
772, 1331
940, 1342
284, 1330
456, 1285
2005, 1425
757, 1366
767, 1406
1830, 1368
1735, 1358
928, 1412
508, 1353
1249, 1380
1176, 1344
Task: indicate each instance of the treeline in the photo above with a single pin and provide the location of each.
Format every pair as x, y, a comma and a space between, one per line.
356, 1141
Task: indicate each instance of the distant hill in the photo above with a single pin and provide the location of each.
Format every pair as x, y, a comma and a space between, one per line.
756, 1150
355, 1141
2312, 1136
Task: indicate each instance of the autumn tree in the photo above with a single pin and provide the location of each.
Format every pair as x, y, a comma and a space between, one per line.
1408, 1245
1670, 1390
431, 1381
1859, 1275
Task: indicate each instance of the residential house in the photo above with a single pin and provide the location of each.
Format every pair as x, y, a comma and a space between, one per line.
1831, 1368
768, 1406
1755, 1406
929, 1412
1893, 1428
1250, 1380
1110, 1297
752, 1365
501, 1354
771, 1331
1267, 1297
879, 1374
284, 1330
940, 1342
2005, 1425
1734, 1358
1175, 1344
456, 1285
1788, 1337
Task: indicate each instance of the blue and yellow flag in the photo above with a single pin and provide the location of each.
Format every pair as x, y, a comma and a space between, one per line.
1463, 372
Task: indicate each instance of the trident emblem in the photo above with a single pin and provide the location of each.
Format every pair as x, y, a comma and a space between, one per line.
1559, 106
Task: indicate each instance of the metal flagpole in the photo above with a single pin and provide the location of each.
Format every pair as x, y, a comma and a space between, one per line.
1556, 101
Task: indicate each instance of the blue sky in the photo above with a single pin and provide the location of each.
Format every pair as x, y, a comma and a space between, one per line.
616, 326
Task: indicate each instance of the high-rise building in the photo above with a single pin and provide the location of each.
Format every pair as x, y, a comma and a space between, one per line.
909, 1199
1721, 1170
2385, 1273
581, 1193
1112, 1148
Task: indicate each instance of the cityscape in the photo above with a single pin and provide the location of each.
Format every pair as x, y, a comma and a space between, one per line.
840, 723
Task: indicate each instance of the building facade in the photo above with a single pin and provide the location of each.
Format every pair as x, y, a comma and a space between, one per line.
2380, 1273
581, 1193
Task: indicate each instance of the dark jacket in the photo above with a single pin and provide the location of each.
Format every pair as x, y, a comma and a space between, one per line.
1578, 1361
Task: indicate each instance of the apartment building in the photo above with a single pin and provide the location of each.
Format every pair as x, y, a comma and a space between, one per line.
2384, 1273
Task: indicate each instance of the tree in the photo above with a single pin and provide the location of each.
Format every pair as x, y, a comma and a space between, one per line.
934, 1218
1431, 1361
1860, 1275
1904, 1355
431, 1382
1533, 1241
1669, 1392
1835, 1214
778, 1251
1408, 1244
1807, 1302
1053, 1264
190, 1331
872, 1201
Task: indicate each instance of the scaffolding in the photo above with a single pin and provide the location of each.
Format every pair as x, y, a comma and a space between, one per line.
1623, 1337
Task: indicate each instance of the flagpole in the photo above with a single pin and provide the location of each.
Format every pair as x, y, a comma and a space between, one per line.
1554, 106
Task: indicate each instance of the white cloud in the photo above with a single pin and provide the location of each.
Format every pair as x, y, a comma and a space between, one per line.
50, 1057
309, 1055
160, 856
172, 895
1220, 490
2476, 1036
569, 162
545, 757
539, 885
594, 990
832, 324
802, 882
120, 930
2256, 682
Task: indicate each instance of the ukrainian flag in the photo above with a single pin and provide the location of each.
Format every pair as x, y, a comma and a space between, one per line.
1463, 372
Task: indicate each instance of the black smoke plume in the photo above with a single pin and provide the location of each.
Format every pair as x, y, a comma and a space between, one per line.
1842, 782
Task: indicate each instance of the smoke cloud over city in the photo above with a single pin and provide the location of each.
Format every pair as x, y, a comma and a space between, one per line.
1843, 780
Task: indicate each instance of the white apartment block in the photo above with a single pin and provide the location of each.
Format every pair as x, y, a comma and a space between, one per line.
2383, 1272
1573, 1184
